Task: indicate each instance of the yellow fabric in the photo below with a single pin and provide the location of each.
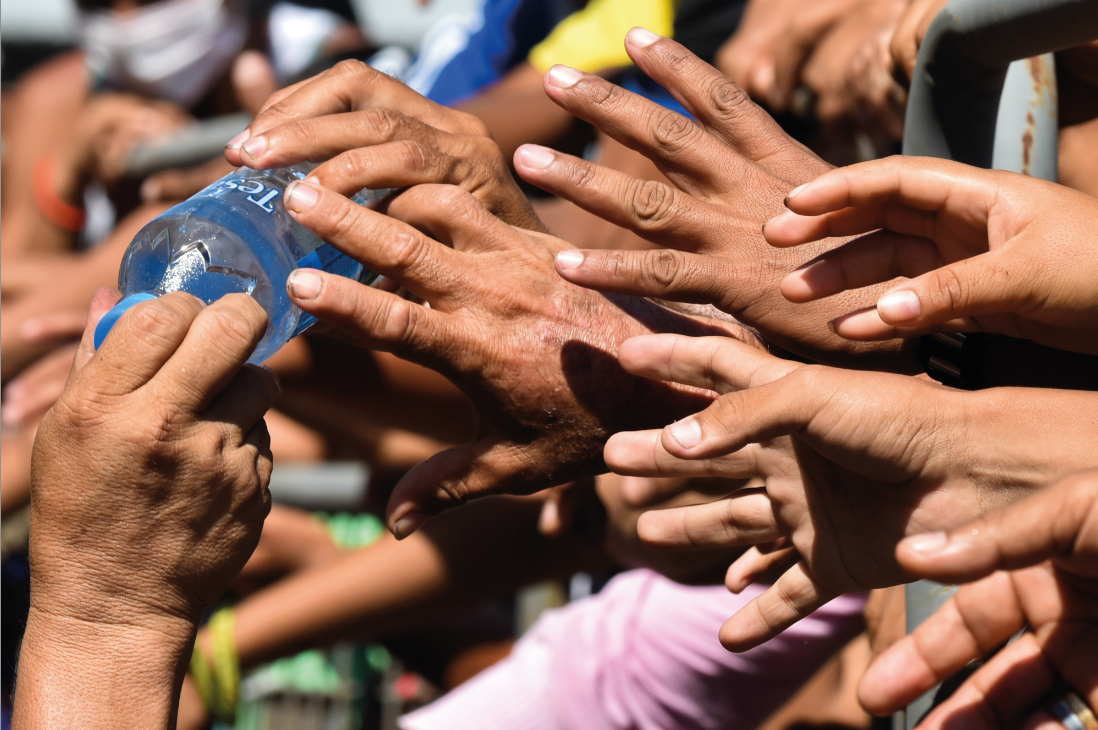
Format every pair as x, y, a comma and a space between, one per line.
218, 682
593, 39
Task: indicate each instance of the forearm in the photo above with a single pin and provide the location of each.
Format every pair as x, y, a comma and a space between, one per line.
486, 549
78, 674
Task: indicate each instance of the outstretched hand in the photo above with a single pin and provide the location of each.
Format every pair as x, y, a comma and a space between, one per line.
371, 131
535, 354
852, 463
985, 251
1033, 565
729, 172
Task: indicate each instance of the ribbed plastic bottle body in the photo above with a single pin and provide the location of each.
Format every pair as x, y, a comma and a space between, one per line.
236, 236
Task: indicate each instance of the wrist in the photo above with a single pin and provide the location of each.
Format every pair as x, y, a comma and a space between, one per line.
79, 673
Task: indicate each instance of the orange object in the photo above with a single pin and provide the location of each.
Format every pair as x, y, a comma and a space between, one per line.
57, 211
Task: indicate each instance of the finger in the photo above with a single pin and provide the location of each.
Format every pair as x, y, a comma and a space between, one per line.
454, 217
744, 518
102, 302
970, 625
663, 274
999, 694
720, 364
870, 259
680, 147
793, 596
247, 397
386, 245
378, 319
139, 344
750, 416
321, 138
37, 388
652, 209
866, 325
350, 86
58, 325
641, 492
709, 95
991, 283
898, 193
254, 80
641, 453
756, 563
455, 476
259, 439
1045, 525
220, 340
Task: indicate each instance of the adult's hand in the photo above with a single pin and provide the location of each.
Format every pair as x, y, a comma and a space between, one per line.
1032, 565
727, 173
988, 251
371, 131
852, 463
775, 37
535, 354
149, 492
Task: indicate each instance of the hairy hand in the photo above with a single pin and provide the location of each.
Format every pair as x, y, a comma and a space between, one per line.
371, 131
535, 354
150, 473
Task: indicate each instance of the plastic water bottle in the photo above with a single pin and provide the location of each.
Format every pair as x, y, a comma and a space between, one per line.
233, 236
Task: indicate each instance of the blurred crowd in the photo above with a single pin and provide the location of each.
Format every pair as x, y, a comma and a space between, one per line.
673, 334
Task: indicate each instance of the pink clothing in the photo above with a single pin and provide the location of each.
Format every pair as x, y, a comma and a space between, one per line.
643, 654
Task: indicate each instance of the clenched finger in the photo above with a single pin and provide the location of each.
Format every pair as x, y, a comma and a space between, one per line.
792, 597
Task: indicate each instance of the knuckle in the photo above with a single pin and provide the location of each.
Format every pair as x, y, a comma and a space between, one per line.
652, 202
673, 131
405, 249
607, 95
473, 125
663, 267
384, 122
411, 155
947, 288
727, 99
351, 72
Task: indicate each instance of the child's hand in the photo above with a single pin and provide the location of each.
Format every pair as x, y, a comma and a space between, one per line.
985, 251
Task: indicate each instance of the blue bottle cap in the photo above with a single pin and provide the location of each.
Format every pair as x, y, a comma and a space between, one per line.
124, 305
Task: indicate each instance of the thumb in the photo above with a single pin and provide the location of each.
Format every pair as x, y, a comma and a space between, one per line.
1049, 524
982, 284
453, 477
101, 303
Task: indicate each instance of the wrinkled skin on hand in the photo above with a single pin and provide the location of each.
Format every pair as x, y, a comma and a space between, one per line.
150, 473
1031, 566
728, 172
533, 353
371, 131
852, 463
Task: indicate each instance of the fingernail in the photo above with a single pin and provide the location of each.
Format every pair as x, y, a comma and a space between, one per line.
795, 191
928, 543
304, 283
536, 157
641, 37
563, 77
408, 524
687, 432
568, 260
300, 197
899, 306
234, 143
255, 146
